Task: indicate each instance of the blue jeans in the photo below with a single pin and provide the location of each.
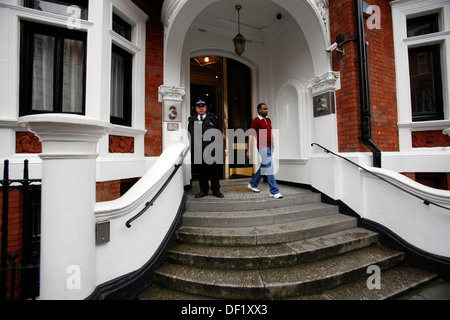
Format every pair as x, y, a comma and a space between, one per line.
265, 169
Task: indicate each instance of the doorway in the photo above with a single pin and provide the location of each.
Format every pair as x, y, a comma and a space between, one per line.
226, 86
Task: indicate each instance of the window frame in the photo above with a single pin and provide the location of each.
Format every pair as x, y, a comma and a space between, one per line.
401, 11
415, 43
438, 98
125, 25
28, 30
432, 18
124, 45
80, 3
128, 87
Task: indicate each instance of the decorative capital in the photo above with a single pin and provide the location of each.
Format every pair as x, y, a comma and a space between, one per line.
171, 93
323, 8
330, 81
66, 136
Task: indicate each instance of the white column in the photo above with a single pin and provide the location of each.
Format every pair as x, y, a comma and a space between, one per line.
68, 198
325, 131
172, 97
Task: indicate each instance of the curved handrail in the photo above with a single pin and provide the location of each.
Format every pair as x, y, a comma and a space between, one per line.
160, 191
425, 201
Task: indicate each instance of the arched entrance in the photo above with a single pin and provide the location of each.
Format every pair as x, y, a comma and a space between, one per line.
178, 16
226, 86
285, 50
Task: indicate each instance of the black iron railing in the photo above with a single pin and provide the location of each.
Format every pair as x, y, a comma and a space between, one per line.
160, 191
20, 241
425, 201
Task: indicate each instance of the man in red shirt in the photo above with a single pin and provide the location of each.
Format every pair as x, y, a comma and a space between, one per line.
261, 128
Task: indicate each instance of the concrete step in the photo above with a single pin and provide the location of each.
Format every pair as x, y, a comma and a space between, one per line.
270, 234
394, 284
437, 289
250, 246
276, 283
157, 292
233, 219
401, 282
272, 256
255, 202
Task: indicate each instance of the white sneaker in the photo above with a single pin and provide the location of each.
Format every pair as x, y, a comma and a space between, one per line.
277, 196
253, 189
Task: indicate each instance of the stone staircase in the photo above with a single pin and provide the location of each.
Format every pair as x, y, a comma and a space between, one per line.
251, 246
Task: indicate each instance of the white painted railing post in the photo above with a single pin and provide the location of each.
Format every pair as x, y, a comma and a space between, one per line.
69, 152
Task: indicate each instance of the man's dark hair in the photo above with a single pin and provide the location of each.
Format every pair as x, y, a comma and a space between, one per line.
260, 106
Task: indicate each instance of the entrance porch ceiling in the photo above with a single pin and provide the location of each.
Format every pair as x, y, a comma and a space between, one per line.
259, 21
256, 14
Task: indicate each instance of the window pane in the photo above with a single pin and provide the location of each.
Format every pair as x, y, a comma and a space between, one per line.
43, 63
423, 25
121, 27
121, 31
52, 70
426, 83
73, 9
73, 84
117, 85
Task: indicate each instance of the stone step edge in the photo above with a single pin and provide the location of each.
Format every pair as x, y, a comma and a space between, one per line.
357, 290
288, 254
272, 234
157, 292
392, 284
260, 217
237, 204
273, 289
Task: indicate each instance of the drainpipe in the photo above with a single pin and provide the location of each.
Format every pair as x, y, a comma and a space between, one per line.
366, 126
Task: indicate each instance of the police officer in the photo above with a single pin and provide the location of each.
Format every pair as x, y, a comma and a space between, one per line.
206, 171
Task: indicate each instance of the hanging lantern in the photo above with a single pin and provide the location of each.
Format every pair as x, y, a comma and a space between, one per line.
239, 40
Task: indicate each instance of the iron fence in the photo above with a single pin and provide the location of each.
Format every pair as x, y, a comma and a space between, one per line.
20, 235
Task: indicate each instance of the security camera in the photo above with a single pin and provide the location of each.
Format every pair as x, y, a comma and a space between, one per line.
334, 47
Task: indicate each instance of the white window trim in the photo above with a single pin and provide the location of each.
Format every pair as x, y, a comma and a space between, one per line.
133, 15
401, 11
98, 62
100, 41
11, 14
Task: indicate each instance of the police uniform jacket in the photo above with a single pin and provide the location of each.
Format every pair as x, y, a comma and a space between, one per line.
209, 122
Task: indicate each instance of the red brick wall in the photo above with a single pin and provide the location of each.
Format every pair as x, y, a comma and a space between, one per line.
381, 73
15, 231
431, 179
342, 21
429, 139
153, 76
107, 190
110, 190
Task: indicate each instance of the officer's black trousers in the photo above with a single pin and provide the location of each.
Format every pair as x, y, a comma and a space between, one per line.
208, 172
